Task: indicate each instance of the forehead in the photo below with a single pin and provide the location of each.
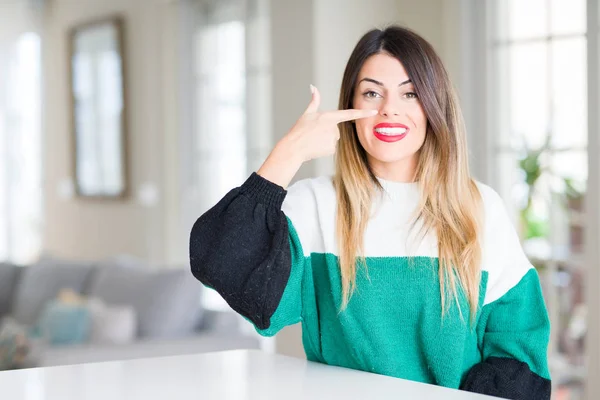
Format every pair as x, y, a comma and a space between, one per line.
383, 68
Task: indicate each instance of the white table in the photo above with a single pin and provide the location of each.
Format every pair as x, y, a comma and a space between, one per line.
237, 374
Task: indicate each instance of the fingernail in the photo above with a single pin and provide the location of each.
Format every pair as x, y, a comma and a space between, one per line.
312, 89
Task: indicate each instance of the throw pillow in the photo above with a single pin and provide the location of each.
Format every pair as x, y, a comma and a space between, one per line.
112, 324
65, 323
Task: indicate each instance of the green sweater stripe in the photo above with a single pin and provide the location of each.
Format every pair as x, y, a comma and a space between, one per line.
517, 325
393, 324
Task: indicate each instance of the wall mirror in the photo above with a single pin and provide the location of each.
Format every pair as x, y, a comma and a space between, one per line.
97, 81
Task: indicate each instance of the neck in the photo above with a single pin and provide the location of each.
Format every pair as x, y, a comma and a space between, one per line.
397, 171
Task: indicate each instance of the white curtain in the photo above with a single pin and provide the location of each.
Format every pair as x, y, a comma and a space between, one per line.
20, 131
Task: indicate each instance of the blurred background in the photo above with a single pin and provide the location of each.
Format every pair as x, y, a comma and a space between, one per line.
122, 121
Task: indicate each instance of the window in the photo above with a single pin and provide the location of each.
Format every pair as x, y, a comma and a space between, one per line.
539, 97
20, 149
220, 131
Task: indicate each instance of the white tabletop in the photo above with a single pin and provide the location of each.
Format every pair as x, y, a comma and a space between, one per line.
238, 374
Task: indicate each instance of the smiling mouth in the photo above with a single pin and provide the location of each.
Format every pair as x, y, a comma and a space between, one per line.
390, 132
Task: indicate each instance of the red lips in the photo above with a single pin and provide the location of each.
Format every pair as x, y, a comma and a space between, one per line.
389, 138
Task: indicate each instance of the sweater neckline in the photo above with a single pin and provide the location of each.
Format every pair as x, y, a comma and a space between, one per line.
399, 190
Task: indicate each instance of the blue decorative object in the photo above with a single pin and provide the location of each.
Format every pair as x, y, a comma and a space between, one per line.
65, 323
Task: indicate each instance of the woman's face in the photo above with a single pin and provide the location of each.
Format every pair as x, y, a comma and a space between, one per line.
393, 137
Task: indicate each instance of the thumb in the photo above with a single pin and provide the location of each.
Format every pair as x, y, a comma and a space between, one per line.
315, 101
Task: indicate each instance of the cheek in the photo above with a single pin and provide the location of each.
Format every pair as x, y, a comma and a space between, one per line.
417, 115
363, 127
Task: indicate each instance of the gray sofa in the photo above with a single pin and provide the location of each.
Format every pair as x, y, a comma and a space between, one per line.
170, 318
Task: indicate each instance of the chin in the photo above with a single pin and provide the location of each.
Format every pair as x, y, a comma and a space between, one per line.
389, 157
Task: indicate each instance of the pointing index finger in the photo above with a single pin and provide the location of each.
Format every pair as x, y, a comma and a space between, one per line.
351, 114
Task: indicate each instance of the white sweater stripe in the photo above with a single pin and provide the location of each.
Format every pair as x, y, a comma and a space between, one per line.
311, 206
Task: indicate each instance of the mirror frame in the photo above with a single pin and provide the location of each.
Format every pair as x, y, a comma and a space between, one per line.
119, 24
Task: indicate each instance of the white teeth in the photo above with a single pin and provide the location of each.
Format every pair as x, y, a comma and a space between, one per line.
390, 131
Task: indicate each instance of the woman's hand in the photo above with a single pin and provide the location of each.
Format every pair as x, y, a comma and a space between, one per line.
314, 135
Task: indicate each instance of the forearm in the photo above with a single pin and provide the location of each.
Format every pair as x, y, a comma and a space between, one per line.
281, 165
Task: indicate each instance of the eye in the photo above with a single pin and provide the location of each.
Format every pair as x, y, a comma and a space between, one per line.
371, 94
411, 95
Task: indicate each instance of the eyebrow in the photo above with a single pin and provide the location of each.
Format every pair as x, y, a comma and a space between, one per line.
381, 84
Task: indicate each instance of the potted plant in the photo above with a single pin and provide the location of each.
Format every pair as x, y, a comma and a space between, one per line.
571, 197
532, 167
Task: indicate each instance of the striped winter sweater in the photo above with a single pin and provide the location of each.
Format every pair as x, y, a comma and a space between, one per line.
272, 255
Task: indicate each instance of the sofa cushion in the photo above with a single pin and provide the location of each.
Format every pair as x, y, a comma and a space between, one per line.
176, 307
40, 283
8, 279
167, 302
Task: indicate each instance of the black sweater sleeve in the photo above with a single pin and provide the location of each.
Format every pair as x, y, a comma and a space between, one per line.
240, 248
507, 378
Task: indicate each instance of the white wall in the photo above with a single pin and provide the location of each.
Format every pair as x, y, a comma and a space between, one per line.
17, 17
293, 64
92, 229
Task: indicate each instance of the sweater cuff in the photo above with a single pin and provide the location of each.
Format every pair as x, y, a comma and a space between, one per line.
507, 378
263, 191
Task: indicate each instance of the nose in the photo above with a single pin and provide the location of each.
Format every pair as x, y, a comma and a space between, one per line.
390, 108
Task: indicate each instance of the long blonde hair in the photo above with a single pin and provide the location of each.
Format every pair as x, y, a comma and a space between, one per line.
450, 202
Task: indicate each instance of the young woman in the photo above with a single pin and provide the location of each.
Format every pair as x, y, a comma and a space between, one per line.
400, 264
